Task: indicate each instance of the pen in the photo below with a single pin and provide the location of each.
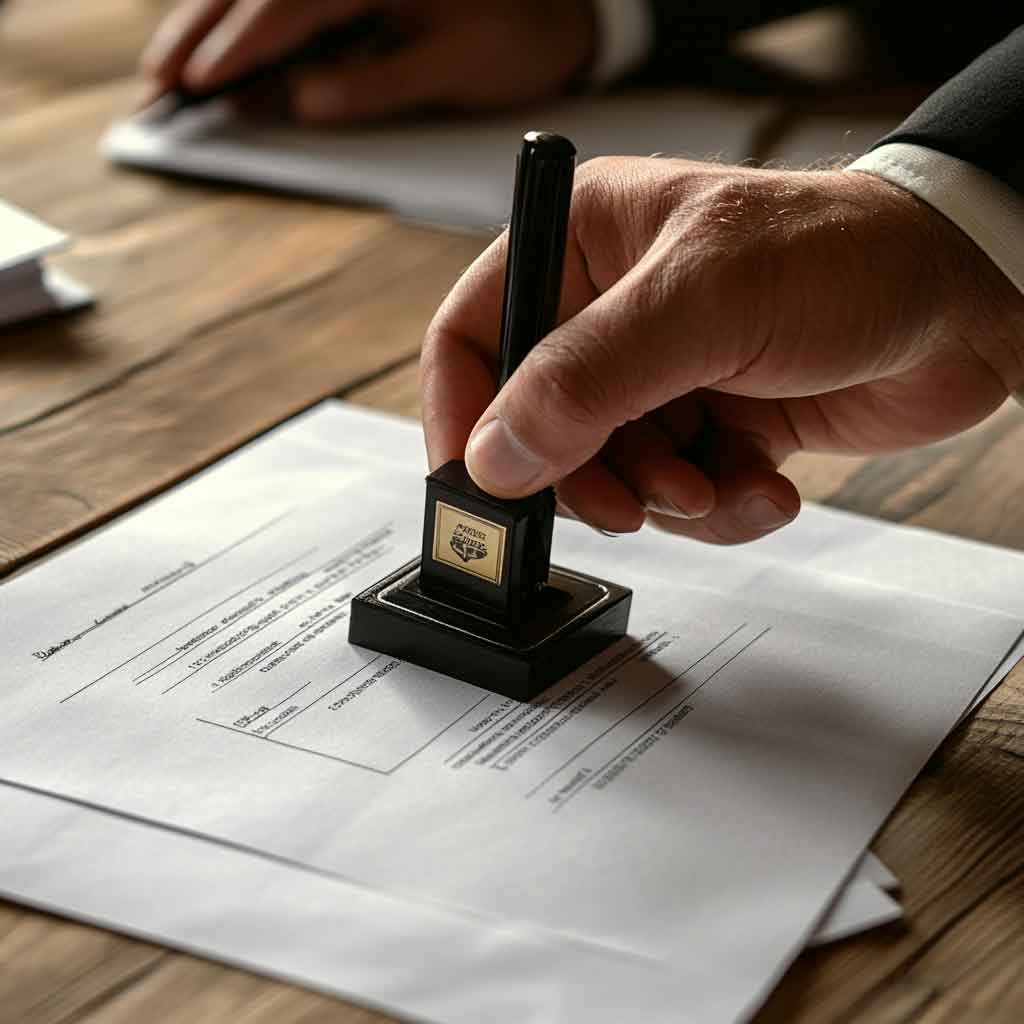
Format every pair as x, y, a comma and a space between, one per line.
354, 32
536, 246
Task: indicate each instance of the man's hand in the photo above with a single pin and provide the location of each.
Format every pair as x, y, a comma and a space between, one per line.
714, 320
456, 54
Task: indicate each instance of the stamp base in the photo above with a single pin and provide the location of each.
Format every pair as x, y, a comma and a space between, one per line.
573, 618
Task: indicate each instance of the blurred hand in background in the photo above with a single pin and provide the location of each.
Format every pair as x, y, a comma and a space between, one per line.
450, 54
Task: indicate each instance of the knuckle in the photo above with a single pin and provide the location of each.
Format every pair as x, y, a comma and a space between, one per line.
593, 189
615, 214
719, 217
724, 237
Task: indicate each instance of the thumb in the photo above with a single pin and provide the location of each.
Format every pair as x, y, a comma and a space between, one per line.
604, 367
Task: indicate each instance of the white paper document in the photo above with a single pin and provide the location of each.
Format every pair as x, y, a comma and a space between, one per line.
872, 870
859, 906
28, 288
324, 933
455, 172
684, 807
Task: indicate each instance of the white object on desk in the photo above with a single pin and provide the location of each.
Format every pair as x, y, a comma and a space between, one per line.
746, 905
28, 288
452, 172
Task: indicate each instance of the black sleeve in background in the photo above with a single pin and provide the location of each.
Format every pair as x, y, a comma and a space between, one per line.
977, 116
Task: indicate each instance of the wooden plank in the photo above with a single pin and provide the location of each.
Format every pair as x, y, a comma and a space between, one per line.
397, 391
173, 279
53, 166
186, 990
222, 384
968, 485
97, 40
52, 969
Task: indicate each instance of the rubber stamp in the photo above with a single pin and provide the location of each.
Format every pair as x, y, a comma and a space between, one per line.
483, 602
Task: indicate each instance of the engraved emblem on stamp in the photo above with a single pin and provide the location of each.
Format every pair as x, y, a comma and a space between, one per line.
466, 542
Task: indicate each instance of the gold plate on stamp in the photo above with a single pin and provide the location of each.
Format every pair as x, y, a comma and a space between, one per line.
466, 542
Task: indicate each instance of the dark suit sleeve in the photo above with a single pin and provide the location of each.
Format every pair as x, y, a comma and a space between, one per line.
978, 116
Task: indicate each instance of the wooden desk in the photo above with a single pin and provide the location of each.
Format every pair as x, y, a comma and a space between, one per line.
222, 312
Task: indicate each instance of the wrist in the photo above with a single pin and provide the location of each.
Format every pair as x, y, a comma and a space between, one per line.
978, 305
972, 303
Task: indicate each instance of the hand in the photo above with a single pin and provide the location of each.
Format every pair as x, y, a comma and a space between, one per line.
459, 54
714, 320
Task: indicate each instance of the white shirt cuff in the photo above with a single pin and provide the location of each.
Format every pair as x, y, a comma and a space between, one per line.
984, 208
625, 38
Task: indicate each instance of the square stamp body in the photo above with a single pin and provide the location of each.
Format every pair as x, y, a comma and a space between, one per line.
483, 603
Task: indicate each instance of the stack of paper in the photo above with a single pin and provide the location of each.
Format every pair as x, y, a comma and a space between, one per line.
653, 839
28, 288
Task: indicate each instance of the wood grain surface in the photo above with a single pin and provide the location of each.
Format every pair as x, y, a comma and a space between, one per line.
224, 311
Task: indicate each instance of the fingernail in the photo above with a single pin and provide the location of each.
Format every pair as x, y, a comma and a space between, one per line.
762, 514
498, 459
562, 509
670, 508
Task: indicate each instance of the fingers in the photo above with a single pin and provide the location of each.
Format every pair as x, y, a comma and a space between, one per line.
752, 498
645, 458
207, 42
711, 483
254, 32
178, 35
373, 86
427, 70
739, 498
596, 496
